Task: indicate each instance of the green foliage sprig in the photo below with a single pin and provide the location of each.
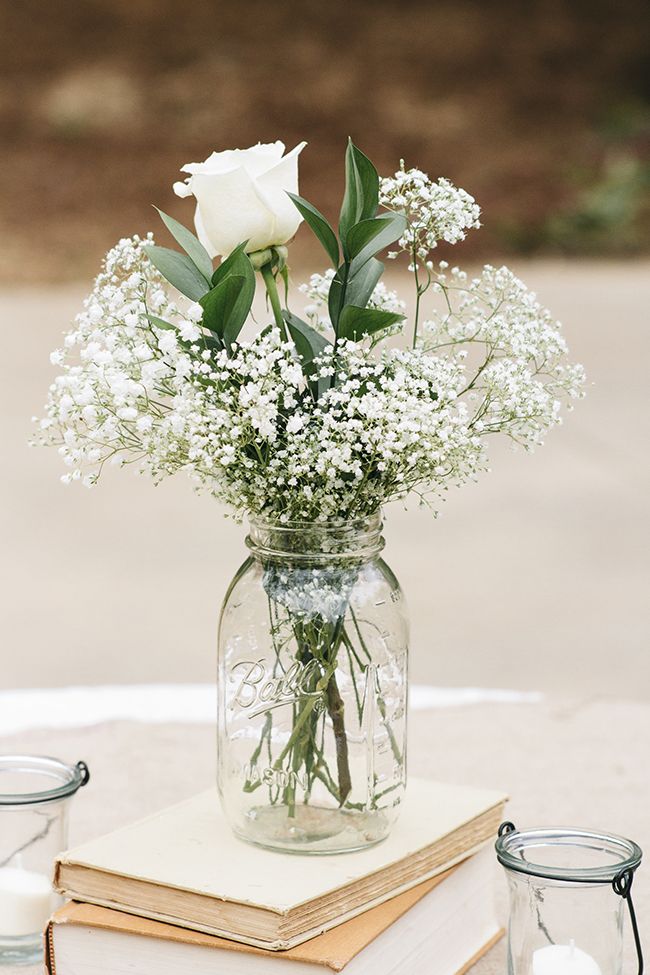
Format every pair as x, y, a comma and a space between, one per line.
362, 234
226, 294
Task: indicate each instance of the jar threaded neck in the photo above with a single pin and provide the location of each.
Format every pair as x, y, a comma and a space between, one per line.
358, 539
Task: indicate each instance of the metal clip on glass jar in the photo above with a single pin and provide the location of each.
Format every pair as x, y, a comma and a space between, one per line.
34, 801
567, 891
312, 689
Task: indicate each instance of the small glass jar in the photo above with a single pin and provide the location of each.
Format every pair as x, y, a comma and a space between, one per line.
34, 801
312, 689
567, 891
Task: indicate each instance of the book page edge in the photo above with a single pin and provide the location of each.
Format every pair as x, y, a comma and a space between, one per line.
280, 944
68, 860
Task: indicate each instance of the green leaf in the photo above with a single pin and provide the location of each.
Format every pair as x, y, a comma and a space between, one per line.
361, 191
179, 270
309, 345
284, 274
308, 342
190, 244
355, 322
319, 225
229, 264
220, 306
362, 284
160, 322
349, 288
336, 294
368, 237
238, 265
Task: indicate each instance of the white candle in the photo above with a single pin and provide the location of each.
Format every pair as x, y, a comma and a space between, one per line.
563, 960
25, 901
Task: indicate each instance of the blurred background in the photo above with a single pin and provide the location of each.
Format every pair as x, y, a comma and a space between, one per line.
536, 578
540, 109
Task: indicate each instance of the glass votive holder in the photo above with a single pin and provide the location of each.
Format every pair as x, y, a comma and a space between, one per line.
34, 799
567, 892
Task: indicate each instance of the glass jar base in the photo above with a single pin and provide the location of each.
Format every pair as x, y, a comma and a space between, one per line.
314, 829
25, 950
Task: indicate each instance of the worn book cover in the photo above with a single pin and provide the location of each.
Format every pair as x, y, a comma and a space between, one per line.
184, 865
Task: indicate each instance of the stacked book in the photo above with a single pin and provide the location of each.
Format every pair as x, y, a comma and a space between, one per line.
176, 892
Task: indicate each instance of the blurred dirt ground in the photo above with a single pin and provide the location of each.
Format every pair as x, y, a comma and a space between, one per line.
536, 578
539, 109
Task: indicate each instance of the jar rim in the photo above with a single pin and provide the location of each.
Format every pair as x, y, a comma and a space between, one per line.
511, 848
70, 778
356, 538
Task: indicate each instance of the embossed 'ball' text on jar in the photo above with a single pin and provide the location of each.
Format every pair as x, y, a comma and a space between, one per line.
313, 644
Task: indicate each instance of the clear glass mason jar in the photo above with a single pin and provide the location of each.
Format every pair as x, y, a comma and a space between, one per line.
313, 643
566, 909
35, 793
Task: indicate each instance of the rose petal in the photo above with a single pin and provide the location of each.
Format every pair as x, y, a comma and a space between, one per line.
201, 234
255, 160
260, 158
217, 162
182, 189
232, 211
273, 186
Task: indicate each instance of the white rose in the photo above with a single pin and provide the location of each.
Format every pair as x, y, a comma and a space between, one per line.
241, 194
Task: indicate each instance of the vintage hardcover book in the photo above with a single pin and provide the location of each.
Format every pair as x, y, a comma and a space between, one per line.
440, 927
184, 866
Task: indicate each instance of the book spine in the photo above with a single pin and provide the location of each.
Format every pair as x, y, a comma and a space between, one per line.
56, 878
48, 938
481, 952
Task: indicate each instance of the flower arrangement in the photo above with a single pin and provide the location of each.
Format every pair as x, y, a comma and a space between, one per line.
314, 418
308, 425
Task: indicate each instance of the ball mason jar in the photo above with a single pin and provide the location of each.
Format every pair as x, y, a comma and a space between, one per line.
35, 794
566, 907
312, 685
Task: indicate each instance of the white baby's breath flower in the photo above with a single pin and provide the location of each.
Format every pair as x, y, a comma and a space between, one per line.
195, 312
436, 210
295, 423
189, 331
245, 425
